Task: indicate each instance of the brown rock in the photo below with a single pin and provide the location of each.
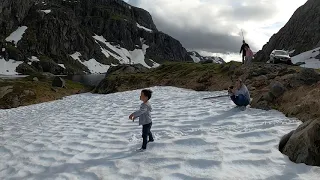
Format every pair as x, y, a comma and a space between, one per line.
304, 144
277, 89
269, 97
271, 76
260, 103
284, 141
260, 81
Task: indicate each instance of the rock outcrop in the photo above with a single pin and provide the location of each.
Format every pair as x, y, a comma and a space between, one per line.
303, 144
57, 29
58, 82
126, 68
301, 33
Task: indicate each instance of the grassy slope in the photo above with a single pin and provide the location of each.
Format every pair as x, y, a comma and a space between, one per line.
42, 90
185, 75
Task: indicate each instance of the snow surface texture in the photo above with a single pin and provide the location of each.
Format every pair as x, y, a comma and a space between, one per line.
93, 139
9, 67
17, 35
309, 58
94, 66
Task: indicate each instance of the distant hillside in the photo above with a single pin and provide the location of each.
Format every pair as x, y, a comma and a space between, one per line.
198, 58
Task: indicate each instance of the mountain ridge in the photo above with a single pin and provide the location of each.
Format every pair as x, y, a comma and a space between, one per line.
300, 33
57, 29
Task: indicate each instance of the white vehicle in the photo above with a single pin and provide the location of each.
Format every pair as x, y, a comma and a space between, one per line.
280, 56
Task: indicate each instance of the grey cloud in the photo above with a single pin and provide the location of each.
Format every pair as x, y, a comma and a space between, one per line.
203, 40
210, 35
253, 13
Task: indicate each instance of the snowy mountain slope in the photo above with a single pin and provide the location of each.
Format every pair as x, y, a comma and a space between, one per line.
53, 30
16, 35
8, 67
194, 139
198, 58
311, 59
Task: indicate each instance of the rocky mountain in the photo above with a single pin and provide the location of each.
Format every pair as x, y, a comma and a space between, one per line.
300, 34
81, 36
205, 59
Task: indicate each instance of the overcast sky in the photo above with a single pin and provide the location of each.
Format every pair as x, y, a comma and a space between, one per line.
214, 26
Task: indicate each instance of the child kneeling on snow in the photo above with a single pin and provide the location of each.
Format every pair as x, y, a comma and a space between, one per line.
239, 94
144, 117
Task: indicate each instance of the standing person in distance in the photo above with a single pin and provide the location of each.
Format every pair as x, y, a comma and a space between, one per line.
243, 50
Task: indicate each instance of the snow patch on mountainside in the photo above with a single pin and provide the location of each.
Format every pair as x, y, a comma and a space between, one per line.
34, 59
94, 66
124, 56
9, 67
198, 58
310, 58
46, 11
194, 57
121, 54
62, 65
16, 36
144, 28
155, 65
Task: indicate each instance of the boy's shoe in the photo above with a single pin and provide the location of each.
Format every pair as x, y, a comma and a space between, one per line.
141, 150
151, 140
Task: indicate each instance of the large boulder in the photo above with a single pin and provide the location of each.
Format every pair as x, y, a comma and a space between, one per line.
303, 146
277, 89
261, 102
58, 82
284, 141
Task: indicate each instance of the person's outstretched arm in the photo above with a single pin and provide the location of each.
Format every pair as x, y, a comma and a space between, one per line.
142, 110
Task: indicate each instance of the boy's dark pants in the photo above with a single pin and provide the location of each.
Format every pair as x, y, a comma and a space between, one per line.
145, 133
